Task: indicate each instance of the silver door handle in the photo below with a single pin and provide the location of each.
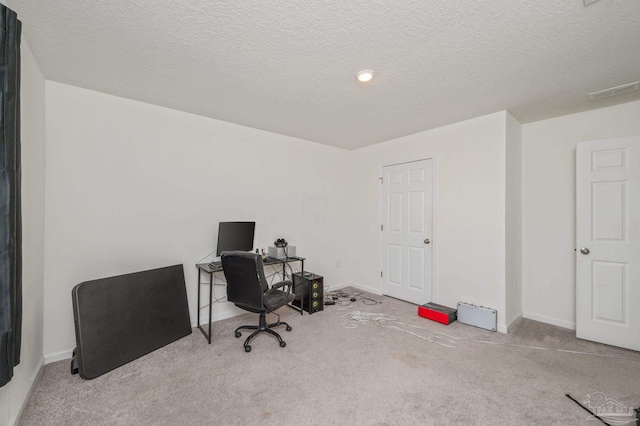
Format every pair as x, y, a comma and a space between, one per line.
584, 250
427, 241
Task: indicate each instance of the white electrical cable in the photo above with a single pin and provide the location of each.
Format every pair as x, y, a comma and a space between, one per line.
540, 348
215, 298
430, 339
205, 257
357, 318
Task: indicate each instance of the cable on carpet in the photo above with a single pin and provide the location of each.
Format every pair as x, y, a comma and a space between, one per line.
586, 409
539, 348
355, 319
343, 298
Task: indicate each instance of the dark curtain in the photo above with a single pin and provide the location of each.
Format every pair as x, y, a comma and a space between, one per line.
10, 214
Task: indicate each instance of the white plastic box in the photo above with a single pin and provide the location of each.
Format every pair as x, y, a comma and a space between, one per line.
281, 252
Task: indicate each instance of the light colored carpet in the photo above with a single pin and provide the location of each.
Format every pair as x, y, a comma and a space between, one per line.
331, 375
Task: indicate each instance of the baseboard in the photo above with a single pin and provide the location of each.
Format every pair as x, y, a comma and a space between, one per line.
58, 356
35, 378
510, 326
357, 286
503, 329
549, 320
219, 316
68, 353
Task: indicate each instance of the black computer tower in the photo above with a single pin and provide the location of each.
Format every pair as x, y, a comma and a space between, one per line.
309, 290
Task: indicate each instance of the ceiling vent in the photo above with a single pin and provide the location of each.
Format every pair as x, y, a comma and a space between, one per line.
614, 91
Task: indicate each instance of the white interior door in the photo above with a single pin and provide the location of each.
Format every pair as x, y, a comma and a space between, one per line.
608, 241
406, 232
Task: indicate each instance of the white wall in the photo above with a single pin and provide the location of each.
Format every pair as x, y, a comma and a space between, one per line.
513, 280
549, 205
469, 239
132, 186
14, 394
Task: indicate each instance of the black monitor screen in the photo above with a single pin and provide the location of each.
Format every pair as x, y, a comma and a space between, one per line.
235, 236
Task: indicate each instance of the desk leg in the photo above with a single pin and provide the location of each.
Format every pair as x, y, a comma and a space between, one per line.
210, 303
304, 282
198, 305
301, 308
200, 327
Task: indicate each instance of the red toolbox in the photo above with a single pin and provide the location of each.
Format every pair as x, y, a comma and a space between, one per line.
438, 313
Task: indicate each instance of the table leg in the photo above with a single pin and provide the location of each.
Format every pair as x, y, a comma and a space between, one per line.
200, 327
304, 282
210, 302
198, 305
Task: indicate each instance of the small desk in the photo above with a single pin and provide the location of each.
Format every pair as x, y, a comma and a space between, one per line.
216, 267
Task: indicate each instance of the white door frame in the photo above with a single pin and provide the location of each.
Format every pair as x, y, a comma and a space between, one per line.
434, 242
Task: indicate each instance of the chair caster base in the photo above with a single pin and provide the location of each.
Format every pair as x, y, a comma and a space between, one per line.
262, 327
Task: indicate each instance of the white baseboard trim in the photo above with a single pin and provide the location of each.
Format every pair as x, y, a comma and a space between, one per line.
35, 378
68, 353
549, 320
58, 356
230, 311
513, 322
375, 291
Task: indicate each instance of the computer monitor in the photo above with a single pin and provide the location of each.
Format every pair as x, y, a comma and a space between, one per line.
235, 236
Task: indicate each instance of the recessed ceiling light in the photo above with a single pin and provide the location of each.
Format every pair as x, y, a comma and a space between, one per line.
364, 76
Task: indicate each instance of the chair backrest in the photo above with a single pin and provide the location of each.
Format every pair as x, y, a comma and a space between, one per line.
246, 282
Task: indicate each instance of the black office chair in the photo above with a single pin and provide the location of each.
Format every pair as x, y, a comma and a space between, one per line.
247, 288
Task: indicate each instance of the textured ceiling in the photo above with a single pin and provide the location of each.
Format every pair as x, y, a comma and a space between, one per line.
289, 66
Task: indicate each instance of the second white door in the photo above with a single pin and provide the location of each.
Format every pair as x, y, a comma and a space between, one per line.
406, 234
608, 241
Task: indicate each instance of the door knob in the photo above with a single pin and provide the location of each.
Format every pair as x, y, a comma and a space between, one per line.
427, 241
584, 250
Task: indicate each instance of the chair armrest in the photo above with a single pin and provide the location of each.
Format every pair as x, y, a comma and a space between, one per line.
282, 284
274, 297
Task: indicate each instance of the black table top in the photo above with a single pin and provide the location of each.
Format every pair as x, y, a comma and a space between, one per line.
217, 266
